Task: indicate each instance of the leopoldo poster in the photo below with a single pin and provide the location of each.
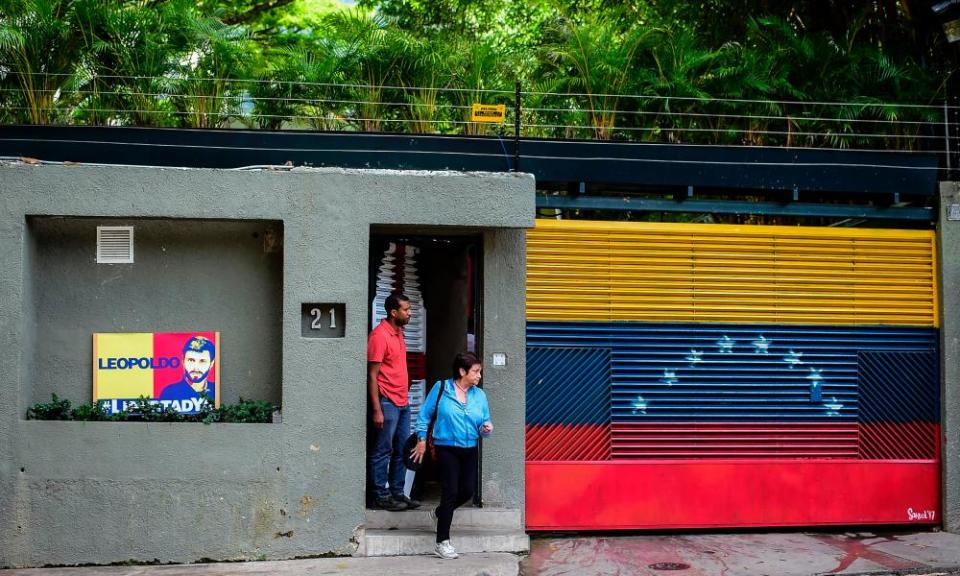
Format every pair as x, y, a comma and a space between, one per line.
174, 369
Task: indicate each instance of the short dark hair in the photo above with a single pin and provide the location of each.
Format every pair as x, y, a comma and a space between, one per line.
393, 302
200, 344
465, 360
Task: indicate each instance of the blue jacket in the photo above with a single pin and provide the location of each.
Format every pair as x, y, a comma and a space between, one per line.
457, 425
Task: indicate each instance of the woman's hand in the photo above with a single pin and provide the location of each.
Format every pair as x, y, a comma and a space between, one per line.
418, 451
486, 428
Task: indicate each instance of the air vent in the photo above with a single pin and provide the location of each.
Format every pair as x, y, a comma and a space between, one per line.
114, 244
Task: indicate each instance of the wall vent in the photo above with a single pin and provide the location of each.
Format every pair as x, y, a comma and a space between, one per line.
114, 244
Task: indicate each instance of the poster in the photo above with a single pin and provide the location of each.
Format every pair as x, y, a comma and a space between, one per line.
175, 369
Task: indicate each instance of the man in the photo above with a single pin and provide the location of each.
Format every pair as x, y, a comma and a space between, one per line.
388, 386
199, 356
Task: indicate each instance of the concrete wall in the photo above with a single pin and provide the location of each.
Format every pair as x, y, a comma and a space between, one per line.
949, 256
75, 492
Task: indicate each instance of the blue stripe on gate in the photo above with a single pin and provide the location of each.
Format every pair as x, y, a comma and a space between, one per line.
713, 372
899, 387
568, 386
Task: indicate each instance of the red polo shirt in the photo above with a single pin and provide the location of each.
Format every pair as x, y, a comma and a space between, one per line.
387, 347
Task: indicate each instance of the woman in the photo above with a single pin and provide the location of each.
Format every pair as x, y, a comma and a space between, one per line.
462, 417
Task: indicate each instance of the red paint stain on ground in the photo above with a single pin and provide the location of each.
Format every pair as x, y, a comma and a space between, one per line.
856, 548
608, 556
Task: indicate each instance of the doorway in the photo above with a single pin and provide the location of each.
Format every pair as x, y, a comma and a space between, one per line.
441, 274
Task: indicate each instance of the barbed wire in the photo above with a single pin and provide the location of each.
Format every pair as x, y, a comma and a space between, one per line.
504, 91
741, 100
176, 78
727, 131
924, 152
239, 105
320, 119
241, 102
580, 127
734, 116
245, 98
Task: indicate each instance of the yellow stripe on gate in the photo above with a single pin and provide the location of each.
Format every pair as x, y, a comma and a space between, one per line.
633, 271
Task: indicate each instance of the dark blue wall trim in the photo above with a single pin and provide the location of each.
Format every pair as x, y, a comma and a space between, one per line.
728, 167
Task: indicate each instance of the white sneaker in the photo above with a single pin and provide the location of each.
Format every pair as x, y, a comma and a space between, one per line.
445, 550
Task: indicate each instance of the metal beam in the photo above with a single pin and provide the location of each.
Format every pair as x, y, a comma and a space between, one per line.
837, 173
733, 207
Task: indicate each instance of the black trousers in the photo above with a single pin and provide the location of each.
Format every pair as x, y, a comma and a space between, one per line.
458, 482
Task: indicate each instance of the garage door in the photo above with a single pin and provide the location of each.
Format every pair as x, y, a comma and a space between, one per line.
695, 376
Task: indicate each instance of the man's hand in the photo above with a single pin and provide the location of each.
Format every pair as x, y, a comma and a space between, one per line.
418, 451
373, 370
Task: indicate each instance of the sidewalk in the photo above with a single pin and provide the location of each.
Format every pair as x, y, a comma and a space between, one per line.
493, 564
770, 554
765, 554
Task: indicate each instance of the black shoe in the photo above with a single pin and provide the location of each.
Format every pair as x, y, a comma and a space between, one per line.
389, 503
410, 504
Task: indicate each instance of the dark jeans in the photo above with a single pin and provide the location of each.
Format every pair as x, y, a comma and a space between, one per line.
458, 481
386, 457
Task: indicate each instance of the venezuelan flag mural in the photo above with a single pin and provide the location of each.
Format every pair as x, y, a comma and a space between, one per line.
176, 369
695, 376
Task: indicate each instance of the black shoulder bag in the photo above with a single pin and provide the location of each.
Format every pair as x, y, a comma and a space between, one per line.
412, 440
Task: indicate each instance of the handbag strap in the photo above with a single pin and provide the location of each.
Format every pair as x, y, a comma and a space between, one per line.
436, 409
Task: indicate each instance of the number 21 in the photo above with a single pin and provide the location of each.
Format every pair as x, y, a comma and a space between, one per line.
318, 317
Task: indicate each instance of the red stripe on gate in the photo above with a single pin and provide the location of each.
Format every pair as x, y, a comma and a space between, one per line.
657, 494
568, 442
734, 440
900, 441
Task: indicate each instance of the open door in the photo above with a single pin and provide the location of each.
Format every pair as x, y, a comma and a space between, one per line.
441, 274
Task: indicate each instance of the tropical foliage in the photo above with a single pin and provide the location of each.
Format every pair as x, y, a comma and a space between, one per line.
811, 73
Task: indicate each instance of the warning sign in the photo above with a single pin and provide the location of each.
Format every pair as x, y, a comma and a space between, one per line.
488, 113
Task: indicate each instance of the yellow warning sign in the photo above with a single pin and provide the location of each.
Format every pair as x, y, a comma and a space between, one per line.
488, 113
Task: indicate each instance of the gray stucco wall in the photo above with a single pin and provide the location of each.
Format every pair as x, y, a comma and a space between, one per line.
503, 458
188, 275
106, 492
949, 256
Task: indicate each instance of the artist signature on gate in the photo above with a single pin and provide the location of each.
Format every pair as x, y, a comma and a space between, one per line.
929, 515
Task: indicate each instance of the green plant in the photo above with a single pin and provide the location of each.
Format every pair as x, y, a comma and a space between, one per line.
146, 409
246, 411
141, 45
371, 54
149, 410
41, 45
57, 409
92, 412
597, 57
475, 67
210, 87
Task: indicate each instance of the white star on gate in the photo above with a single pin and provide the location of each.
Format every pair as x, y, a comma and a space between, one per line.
833, 407
726, 344
793, 359
761, 345
669, 377
639, 405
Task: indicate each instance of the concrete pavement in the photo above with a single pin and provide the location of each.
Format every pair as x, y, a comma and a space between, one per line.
762, 554
767, 554
492, 564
